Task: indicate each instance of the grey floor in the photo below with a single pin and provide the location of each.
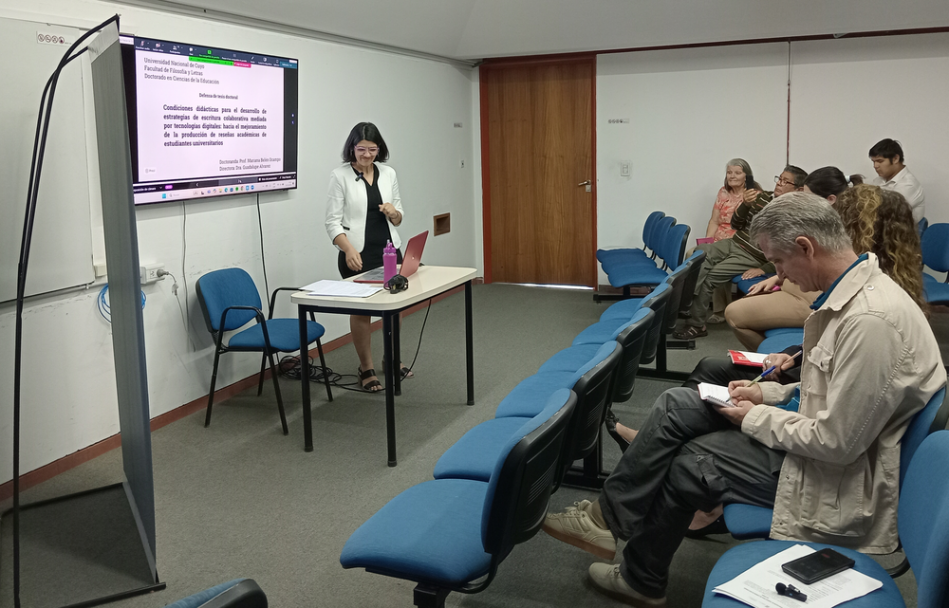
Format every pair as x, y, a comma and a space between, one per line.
239, 499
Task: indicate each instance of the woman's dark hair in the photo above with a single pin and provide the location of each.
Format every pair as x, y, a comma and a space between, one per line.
826, 181
365, 131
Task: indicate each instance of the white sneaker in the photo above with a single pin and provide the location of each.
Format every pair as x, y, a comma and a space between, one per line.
606, 578
575, 527
714, 319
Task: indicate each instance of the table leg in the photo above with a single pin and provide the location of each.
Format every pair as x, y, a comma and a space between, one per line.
305, 379
390, 387
469, 343
397, 351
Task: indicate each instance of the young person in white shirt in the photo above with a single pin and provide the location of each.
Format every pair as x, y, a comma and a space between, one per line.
892, 174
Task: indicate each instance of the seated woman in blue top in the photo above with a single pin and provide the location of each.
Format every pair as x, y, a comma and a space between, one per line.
362, 212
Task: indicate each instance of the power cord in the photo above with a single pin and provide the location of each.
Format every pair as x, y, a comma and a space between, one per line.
290, 367
103, 304
263, 260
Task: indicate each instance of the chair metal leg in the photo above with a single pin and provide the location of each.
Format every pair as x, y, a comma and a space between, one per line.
326, 376
207, 417
263, 366
276, 386
429, 597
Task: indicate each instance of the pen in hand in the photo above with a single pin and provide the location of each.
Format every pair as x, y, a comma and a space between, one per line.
771, 369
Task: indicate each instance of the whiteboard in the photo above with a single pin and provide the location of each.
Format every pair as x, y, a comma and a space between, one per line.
61, 254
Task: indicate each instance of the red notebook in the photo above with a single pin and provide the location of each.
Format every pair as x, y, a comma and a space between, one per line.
741, 357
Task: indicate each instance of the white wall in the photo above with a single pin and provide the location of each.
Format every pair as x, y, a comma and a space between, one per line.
68, 395
691, 110
846, 95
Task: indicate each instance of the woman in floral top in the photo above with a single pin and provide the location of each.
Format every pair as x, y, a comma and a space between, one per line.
739, 185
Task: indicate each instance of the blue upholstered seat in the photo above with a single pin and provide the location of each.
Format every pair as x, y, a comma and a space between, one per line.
744, 285
530, 396
473, 456
935, 247
779, 342
447, 534
923, 523
740, 558
239, 593
229, 300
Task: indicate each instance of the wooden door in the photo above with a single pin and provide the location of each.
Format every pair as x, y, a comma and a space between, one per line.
538, 150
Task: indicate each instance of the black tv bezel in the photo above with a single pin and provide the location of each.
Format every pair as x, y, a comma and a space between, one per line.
207, 187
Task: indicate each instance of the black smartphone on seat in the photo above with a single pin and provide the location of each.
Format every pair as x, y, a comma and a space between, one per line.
818, 565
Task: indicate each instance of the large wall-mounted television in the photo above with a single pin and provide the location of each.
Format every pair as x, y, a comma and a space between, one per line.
207, 122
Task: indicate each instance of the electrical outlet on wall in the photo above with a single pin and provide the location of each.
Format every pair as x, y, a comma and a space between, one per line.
150, 273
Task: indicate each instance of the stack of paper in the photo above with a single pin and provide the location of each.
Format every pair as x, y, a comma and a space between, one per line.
344, 289
756, 586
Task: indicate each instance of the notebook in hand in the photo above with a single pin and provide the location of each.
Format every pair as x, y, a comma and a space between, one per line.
716, 394
410, 261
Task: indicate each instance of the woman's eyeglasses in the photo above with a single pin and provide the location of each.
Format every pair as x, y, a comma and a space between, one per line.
777, 180
363, 150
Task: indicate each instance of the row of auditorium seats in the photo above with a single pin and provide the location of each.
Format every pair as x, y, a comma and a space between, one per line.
626, 268
491, 487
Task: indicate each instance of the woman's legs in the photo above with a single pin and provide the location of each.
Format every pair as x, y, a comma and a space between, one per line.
749, 317
360, 326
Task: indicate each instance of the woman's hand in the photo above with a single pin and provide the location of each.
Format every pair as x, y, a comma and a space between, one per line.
752, 273
353, 259
780, 361
750, 195
765, 286
391, 212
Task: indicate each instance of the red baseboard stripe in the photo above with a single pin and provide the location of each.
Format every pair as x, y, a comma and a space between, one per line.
47, 472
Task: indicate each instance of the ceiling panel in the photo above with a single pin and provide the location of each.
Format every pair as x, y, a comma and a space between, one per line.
477, 29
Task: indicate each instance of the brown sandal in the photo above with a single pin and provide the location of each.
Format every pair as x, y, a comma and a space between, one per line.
371, 386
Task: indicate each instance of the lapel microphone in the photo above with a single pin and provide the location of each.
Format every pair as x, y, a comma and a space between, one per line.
360, 177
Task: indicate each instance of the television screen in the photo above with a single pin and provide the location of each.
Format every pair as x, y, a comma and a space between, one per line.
207, 122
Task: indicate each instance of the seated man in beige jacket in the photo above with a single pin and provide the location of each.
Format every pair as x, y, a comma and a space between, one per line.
828, 464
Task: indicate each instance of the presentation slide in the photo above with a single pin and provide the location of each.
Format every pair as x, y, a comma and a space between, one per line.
201, 117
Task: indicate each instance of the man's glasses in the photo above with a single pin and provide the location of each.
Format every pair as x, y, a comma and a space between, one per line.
777, 179
363, 150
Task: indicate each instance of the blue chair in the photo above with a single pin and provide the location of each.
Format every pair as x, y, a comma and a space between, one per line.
935, 246
923, 524
473, 456
747, 521
229, 300
744, 285
922, 226
451, 534
649, 237
781, 338
239, 593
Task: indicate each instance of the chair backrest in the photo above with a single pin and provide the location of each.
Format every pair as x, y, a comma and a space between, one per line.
927, 420
649, 226
676, 242
657, 300
923, 520
222, 288
691, 279
921, 227
594, 392
523, 478
935, 244
632, 338
658, 236
677, 283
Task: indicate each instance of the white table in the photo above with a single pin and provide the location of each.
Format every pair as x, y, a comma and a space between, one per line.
427, 283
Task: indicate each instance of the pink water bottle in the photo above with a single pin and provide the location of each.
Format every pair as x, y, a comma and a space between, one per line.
389, 260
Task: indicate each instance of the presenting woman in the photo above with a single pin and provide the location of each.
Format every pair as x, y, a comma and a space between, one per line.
362, 213
740, 185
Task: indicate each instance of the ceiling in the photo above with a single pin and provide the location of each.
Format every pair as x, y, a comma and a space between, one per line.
477, 29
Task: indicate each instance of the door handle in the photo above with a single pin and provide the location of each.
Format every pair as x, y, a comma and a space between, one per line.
586, 183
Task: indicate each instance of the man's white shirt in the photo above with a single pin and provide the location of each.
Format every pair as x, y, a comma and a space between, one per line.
906, 184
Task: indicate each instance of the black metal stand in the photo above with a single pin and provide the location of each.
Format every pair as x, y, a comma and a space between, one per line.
591, 475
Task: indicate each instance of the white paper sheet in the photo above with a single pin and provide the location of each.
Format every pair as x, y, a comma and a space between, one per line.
340, 289
755, 586
716, 394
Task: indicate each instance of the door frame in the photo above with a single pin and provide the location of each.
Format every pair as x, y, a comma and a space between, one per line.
520, 62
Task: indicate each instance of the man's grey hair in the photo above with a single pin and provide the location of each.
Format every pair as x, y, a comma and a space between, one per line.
800, 214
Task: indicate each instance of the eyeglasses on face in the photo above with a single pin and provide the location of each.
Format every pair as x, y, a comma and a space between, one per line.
779, 180
362, 150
